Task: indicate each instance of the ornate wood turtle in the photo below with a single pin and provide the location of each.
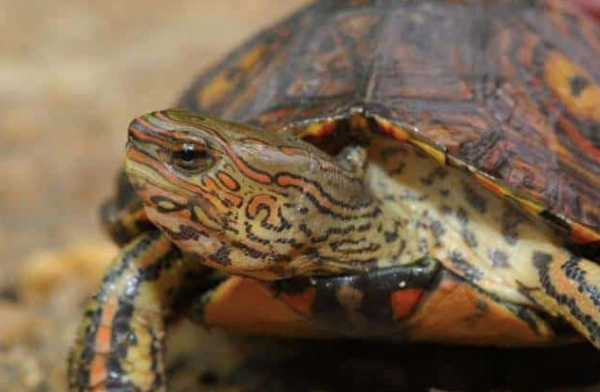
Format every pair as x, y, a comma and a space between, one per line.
401, 170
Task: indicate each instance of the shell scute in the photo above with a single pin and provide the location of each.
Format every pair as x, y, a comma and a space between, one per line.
507, 90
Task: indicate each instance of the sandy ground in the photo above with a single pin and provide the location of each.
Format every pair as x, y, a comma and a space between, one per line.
72, 75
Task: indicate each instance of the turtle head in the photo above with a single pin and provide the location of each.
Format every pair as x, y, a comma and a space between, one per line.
242, 199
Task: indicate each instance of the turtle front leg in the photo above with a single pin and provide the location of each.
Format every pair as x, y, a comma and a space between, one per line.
120, 341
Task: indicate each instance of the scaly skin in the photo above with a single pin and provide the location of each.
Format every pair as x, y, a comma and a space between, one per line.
270, 206
120, 342
370, 233
257, 217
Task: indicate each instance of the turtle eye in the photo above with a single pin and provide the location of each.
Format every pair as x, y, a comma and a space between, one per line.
191, 157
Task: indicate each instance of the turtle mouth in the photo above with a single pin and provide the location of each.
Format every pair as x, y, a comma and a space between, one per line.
143, 169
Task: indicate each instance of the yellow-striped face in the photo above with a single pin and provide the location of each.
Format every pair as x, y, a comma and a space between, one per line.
248, 201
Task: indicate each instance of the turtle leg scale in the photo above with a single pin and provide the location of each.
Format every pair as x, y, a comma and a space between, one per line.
120, 341
569, 287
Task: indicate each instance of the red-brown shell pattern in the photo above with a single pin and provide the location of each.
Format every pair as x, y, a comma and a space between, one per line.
508, 90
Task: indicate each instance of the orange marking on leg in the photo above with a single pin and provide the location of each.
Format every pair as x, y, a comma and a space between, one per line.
404, 301
98, 373
102, 342
98, 369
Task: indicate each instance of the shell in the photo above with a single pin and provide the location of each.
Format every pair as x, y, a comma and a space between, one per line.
506, 90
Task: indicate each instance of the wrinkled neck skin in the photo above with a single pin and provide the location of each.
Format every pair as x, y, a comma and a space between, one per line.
271, 207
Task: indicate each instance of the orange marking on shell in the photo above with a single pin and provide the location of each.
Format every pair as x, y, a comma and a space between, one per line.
431, 150
559, 72
215, 90
404, 301
456, 312
490, 185
402, 135
395, 131
222, 84
318, 130
530, 206
583, 234
249, 306
526, 48
581, 141
228, 181
302, 302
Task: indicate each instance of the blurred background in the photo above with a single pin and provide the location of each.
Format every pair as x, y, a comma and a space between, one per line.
72, 75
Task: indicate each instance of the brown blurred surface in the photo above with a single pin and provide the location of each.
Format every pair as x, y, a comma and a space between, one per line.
72, 75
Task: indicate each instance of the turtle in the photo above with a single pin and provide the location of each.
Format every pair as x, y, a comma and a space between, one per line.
406, 171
